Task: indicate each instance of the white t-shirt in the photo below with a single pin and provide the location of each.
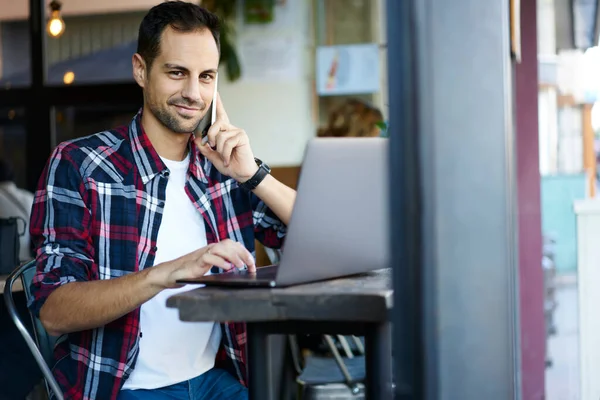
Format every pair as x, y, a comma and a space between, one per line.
172, 351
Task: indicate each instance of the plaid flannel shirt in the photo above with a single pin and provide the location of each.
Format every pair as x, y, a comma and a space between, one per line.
96, 215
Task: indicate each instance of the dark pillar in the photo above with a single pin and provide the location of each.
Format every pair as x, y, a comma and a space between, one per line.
529, 221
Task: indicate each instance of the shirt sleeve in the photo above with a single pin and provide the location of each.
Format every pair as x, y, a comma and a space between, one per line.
268, 228
60, 228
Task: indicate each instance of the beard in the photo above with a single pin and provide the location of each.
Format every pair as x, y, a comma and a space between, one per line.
171, 119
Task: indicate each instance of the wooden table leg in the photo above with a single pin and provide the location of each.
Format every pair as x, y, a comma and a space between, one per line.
259, 363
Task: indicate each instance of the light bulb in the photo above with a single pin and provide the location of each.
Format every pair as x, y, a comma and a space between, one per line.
56, 25
68, 77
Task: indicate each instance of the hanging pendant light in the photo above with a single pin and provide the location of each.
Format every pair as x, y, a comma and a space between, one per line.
56, 25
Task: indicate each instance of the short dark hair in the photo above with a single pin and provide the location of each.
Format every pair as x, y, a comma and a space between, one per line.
7, 173
179, 15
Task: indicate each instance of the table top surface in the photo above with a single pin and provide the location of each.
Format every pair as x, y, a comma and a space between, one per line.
366, 298
17, 287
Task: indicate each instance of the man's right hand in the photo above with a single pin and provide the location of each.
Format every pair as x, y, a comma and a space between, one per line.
78, 306
226, 254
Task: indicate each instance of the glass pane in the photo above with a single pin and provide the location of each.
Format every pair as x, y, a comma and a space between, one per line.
73, 122
345, 21
12, 142
15, 60
97, 43
349, 22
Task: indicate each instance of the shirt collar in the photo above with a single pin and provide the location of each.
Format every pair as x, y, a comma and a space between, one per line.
148, 161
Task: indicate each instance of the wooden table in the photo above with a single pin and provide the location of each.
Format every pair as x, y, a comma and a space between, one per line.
356, 305
17, 287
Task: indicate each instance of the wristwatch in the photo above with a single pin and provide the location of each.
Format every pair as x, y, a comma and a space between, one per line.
257, 178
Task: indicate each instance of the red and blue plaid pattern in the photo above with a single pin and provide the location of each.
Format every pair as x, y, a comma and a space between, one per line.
96, 215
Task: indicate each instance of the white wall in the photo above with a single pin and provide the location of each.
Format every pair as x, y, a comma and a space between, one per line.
546, 27
570, 140
277, 115
548, 130
547, 96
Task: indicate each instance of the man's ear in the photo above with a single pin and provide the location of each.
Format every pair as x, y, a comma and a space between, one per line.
139, 69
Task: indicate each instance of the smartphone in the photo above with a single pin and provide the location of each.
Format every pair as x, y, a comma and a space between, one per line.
210, 117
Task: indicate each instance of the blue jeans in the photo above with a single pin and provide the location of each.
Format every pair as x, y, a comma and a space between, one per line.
215, 384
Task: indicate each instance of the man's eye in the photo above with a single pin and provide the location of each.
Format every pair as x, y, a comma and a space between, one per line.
206, 77
176, 73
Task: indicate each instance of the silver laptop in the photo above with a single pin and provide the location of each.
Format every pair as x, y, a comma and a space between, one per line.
339, 223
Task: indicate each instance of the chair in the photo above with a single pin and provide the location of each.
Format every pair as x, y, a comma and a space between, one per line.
324, 377
43, 346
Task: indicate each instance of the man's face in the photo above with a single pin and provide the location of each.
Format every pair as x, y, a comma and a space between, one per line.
179, 85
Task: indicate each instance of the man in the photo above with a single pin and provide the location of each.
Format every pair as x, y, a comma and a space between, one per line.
121, 215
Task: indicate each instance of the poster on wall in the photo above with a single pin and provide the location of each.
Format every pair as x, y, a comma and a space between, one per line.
275, 59
348, 69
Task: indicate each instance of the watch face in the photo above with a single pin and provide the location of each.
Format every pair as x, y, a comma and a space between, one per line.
261, 164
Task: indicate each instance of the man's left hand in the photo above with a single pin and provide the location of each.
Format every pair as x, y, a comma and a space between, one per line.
228, 147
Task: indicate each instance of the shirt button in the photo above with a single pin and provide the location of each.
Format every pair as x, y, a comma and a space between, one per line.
154, 248
161, 204
166, 174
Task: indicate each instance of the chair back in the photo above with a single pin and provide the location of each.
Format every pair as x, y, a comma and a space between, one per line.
42, 347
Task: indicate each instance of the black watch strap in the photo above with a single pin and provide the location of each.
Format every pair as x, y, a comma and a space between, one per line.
257, 178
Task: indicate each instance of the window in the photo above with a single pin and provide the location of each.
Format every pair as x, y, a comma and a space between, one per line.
77, 121
15, 56
13, 141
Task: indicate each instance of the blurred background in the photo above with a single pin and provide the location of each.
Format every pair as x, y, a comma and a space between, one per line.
295, 69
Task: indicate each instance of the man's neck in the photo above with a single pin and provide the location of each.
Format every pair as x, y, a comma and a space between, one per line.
168, 144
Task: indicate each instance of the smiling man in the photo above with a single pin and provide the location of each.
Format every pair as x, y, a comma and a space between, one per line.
121, 215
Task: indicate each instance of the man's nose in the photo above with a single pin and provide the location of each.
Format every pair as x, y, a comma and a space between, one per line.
191, 91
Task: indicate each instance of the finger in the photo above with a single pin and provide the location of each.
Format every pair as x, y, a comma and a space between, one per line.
210, 154
251, 264
247, 257
221, 113
214, 131
228, 251
216, 260
228, 147
221, 139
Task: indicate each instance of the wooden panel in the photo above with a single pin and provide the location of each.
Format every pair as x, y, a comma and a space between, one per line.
365, 297
589, 154
566, 101
288, 176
